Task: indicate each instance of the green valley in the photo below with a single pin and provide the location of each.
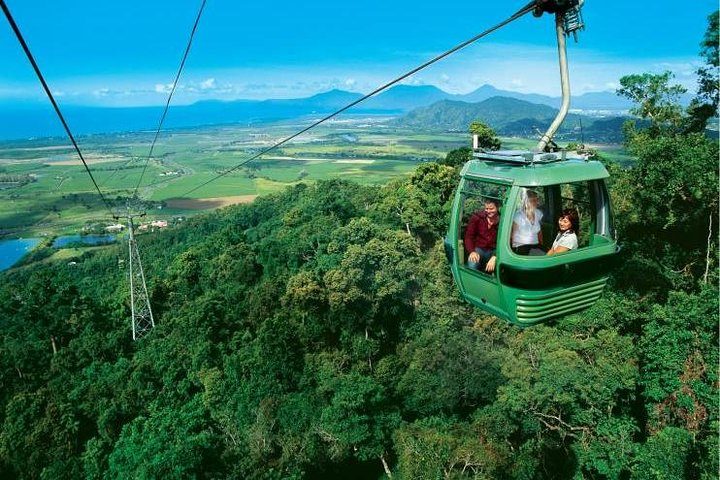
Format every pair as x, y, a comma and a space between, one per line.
47, 190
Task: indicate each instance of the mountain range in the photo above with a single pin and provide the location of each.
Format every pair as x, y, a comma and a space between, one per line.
38, 120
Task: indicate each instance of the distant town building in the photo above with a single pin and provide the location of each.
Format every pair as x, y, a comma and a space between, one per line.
154, 224
115, 228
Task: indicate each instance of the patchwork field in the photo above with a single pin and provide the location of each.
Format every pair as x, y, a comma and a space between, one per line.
207, 203
44, 188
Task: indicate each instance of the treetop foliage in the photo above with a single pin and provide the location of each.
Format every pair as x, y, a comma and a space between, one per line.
288, 348
486, 136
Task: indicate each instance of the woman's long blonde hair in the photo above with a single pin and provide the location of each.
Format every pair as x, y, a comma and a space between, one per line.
527, 207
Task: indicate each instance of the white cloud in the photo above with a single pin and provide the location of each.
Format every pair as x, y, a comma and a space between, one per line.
163, 88
414, 80
207, 84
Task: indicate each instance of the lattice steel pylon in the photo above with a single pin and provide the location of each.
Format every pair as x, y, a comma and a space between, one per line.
142, 317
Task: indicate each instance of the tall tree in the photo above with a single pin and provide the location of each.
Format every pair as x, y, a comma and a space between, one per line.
705, 105
655, 98
487, 138
675, 180
457, 157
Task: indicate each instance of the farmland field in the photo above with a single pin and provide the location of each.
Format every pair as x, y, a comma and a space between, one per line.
45, 190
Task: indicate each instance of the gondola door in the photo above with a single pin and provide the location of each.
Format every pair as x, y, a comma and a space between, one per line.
480, 286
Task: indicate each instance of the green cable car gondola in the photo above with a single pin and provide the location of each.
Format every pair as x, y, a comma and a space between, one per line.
531, 191
528, 288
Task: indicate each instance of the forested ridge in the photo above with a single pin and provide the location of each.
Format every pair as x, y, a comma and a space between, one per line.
317, 333
309, 335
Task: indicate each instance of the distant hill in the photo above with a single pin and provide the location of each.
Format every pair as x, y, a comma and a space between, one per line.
510, 117
406, 97
488, 91
331, 100
498, 112
495, 111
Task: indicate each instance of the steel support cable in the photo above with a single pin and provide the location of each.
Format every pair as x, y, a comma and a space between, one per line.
526, 9
39, 74
172, 91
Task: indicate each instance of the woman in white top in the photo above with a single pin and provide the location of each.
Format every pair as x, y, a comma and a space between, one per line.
526, 233
566, 239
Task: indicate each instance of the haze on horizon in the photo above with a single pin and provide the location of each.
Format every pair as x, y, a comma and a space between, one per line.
126, 55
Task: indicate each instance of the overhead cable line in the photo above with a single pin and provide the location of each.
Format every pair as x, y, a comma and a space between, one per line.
172, 91
526, 9
162, 118
39, 74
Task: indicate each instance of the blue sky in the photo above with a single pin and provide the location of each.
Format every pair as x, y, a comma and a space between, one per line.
126, 53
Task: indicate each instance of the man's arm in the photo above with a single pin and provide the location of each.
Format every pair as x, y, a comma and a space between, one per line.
471, 233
